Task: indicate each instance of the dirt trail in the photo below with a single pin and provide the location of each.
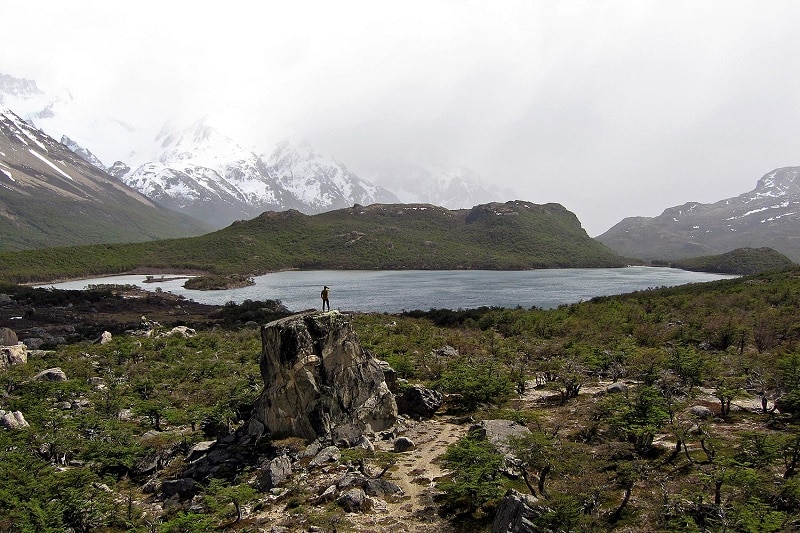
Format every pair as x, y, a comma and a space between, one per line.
415, 473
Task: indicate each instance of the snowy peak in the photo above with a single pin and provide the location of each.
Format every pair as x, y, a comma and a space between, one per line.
199, 143
778, 183
202, 172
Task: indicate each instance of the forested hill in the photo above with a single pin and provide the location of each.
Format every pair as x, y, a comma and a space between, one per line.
512, 235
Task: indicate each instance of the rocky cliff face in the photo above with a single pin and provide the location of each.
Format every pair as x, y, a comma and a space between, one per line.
319, 381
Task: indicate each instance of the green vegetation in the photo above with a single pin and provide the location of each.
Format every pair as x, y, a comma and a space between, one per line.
515, 235
644, 458
741, 261
637, 460
218, 282
31, 224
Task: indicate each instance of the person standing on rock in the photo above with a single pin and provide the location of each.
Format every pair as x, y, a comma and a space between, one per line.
324, 294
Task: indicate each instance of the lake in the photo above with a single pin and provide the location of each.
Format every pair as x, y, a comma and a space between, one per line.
398, 290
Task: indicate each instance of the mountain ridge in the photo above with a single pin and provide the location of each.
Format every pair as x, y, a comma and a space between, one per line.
769, 215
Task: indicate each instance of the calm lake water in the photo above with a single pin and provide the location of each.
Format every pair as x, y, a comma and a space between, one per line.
395, 291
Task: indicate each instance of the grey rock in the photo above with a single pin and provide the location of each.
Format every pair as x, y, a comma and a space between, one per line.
446, 351
33, 343
404, 444
382, 488
354, 501
51, 374
327, 455
701, 411
616, 388
498, 432
278, 471
181, 332
97, 382
328, 495
200, 449
318, 377
419, 402
183, 488
104, 338
517, 513
8, 337
389, 375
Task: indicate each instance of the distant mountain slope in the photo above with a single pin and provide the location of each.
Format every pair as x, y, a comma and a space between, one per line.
513, 235
51, 197
767, 216
201, 172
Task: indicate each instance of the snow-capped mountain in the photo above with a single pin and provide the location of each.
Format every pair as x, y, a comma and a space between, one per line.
49, 196
453, 188
207, 175
320, 183
768, 216
200, 172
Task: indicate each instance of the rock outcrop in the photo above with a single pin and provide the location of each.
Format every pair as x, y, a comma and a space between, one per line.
319, 385
517, 513
318, 378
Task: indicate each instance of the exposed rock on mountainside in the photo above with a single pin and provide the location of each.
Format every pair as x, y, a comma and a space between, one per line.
767, 216
319, 382
83, 153
51, 197
207, 175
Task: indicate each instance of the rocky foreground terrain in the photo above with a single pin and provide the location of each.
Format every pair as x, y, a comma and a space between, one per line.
332, 439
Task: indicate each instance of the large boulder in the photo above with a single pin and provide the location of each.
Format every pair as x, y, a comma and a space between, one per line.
419, 402
317, 377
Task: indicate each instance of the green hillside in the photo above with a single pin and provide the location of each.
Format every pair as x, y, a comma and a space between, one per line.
514, 235
740, 261
51, 221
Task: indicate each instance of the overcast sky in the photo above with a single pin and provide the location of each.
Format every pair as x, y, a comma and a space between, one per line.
611, 108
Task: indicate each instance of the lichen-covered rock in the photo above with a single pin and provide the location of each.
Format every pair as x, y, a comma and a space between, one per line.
13, 355
318, 377
12, 420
